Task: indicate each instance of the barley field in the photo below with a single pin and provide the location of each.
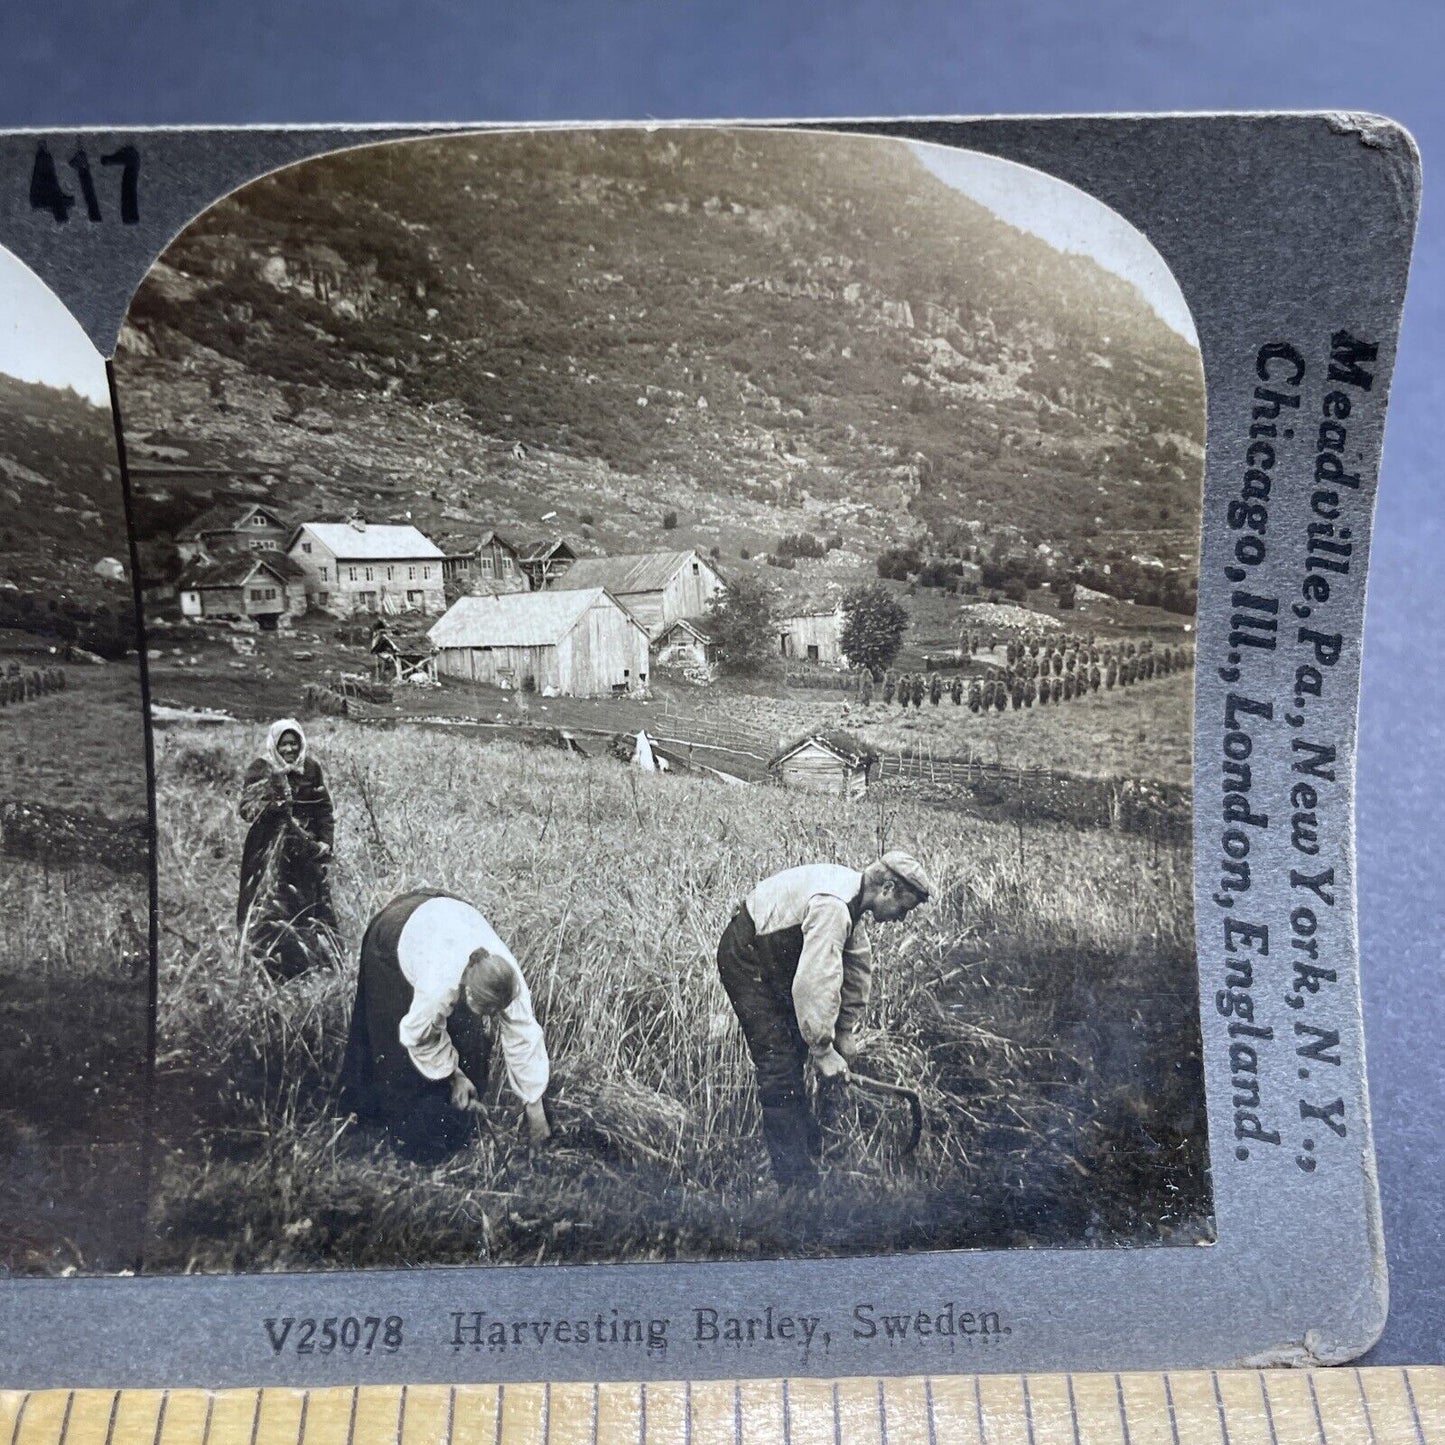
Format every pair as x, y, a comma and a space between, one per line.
1044, 1005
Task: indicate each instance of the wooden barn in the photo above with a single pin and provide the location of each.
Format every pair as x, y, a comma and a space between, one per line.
684, 644
812, 636
543, 563
827, 762
262, 586
582, 644
488, 564
656, 587
232, 527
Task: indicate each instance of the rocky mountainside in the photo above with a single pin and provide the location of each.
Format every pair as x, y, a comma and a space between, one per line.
60, 501
763, 332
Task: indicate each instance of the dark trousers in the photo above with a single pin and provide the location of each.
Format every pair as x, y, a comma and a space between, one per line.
379, 1082
758, 977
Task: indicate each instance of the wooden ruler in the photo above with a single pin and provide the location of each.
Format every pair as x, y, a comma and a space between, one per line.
1192, 1407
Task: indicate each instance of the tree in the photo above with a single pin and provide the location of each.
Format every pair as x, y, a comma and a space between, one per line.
743, 623
873, 626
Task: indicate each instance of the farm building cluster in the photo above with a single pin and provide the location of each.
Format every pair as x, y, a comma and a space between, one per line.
528, 615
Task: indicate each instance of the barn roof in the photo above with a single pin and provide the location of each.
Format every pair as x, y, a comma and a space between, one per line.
844, 746
685, 624
232, 571
365, 543
406, 642
547, 547
226, 517
464, 544
518, 619
629, 572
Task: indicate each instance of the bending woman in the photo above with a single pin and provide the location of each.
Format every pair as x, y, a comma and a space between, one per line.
284, 912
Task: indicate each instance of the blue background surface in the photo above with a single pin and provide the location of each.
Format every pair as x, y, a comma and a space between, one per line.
169, 62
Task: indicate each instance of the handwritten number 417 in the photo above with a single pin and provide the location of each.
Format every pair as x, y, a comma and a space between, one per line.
47, 193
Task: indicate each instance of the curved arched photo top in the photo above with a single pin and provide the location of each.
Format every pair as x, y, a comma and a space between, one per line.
739, 499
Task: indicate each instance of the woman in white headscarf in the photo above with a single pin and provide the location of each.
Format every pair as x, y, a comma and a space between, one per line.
284, 912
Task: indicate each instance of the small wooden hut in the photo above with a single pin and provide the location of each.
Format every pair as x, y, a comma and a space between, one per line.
825, 762
403, 655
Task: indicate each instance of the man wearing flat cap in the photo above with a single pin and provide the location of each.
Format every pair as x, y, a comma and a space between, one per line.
797, 967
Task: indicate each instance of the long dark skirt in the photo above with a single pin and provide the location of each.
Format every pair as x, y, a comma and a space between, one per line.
379, 1082
284, 911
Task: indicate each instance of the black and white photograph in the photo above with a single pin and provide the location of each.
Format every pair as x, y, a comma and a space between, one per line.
671, 659
74, 904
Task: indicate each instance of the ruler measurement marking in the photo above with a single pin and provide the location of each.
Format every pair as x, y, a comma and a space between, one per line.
1365, 1403
1414, 1412
1073, 1406
1268, 1408
1173, 1407
1173, 1413
1219, 1405
1315, 1401
19, 1420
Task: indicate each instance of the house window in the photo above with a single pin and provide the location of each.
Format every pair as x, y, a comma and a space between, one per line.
352, 572
389, 572
812, 652
411, 574
426, 574
368, 600
263, 594
325, 576
323, 598
415, 599
258, 520
488, 566
368, 572
696, 570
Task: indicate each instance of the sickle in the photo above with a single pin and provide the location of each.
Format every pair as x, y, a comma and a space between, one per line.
915, 1104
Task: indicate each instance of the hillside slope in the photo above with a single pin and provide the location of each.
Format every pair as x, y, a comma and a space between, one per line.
763, 331
59, 495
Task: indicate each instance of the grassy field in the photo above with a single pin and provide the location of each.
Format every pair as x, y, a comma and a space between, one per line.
1044, 1005
83, 748
73, 1020
74, 990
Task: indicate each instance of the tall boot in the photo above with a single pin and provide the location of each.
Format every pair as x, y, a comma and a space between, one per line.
789, 1137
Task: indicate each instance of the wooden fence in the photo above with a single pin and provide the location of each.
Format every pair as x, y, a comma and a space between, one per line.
26, 684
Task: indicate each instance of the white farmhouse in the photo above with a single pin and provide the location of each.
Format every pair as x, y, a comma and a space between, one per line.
355, 567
